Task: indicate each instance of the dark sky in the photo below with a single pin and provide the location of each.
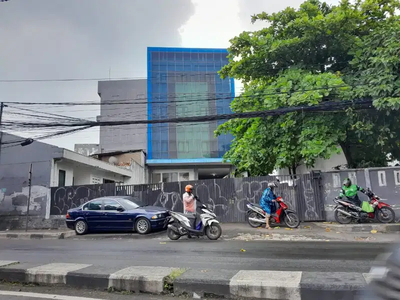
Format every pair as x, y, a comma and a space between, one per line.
81, 39
55, 39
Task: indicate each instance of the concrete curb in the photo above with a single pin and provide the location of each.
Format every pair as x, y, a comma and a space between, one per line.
72, 235
37, 235
193, 283
353, 228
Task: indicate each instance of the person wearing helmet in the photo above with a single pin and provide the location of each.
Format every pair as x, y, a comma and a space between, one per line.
266, 202
189, 200
350, 191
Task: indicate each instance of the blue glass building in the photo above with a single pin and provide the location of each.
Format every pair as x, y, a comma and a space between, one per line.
184, 82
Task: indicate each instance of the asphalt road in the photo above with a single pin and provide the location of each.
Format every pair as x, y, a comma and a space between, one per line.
40, 296
199, 254
19, 292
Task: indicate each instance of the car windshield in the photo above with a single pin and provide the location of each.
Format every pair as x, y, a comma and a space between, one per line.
128, 204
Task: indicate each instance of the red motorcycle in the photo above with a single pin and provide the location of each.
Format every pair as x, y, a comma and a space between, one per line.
346, 211
256, 215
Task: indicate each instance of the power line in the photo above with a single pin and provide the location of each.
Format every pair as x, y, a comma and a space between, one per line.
326, 106
331, 107
59, 133
121, 102
47, 113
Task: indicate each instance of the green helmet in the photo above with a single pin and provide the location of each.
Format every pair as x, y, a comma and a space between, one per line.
347, 182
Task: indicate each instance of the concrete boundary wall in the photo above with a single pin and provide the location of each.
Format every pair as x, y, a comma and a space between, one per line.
311, 195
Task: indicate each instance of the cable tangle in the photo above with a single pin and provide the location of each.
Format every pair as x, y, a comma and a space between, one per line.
56, 124
325, 106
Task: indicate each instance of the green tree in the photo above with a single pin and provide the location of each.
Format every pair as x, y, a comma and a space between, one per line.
301, 58
375, 73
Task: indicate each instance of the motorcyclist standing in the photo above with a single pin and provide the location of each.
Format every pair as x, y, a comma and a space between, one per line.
189, 200
266, 202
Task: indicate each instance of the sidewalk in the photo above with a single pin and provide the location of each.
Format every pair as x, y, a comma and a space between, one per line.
190, 282
315, 231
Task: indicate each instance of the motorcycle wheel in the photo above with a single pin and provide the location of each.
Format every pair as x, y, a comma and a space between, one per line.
389, 215
251, 223
341, 218
173, 235
213, 231
292, 220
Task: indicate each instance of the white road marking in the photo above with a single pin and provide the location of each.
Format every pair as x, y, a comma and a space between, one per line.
44, 296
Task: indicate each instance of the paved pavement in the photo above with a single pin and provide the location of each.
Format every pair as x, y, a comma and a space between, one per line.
316, 231
199, 254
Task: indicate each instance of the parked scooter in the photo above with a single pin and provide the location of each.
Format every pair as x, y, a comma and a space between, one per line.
204, 222
256, 215
346, 211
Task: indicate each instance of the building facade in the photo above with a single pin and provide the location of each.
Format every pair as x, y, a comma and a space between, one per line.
113, 95
182, 83
87, 149
54, 167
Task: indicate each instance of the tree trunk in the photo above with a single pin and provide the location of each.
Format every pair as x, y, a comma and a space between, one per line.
347, 154
292, 171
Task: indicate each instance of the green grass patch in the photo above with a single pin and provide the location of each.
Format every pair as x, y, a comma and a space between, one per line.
169, 280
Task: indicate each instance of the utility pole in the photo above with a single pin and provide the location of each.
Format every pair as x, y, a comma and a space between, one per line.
1, 129
29, 197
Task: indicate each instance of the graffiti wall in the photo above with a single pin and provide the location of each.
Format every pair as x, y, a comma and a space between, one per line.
65, 198
15, 204
228, 197
310, 195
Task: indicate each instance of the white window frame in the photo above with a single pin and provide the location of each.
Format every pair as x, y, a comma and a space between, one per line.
161, 172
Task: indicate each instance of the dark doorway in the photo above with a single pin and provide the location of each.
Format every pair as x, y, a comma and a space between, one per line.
61, 178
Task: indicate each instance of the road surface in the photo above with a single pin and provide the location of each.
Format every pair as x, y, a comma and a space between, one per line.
198, 254
18, 292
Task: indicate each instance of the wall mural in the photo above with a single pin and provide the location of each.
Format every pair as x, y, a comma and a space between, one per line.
228, 197
16, 203
65, 198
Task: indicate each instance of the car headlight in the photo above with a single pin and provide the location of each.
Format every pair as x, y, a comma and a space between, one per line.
158, 216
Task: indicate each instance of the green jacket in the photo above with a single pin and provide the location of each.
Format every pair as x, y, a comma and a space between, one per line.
351, 191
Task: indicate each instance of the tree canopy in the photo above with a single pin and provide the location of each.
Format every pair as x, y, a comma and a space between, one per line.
308, 56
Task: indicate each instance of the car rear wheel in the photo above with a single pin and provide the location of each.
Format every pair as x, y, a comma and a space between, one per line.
142, 226
81, 227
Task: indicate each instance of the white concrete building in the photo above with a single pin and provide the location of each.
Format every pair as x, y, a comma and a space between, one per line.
75, 169
323, 165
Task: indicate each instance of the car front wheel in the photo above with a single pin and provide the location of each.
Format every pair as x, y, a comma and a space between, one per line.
81, 227
142, 226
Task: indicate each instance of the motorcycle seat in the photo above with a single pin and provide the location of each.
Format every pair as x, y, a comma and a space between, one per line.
190, 216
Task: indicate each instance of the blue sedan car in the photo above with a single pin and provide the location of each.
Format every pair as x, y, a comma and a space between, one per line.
116, 214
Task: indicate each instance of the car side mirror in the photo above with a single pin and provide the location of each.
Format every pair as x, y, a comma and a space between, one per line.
120, 209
